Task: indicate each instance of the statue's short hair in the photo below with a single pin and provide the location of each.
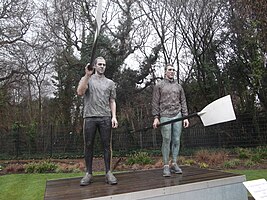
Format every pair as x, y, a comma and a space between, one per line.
167, 66
98, 58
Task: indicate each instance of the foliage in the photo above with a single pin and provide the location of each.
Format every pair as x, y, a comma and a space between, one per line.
211, 157
41, 167
256, 158
189, 162
141, 158
66, 66
235, 158
243, 153
247, 64
32, 135
261, 152
231, 163
255, 155
203, 165
249, 163
14, 168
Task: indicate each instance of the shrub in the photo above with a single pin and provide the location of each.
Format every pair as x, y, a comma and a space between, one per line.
261, 152
231, 163
256, 158
202, 155
243, 153
249, 163
139, 158
14, 168
189, 162
41, 167
203, 165
211, 157
217, 157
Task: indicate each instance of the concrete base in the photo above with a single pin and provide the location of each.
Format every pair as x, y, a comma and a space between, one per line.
230, 188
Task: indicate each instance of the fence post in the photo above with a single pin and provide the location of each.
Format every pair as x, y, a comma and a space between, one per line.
18, 141
51, 140
154, 139
141, 139
16, 138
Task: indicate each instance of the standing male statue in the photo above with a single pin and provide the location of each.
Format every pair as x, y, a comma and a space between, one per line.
99, 114
168, 103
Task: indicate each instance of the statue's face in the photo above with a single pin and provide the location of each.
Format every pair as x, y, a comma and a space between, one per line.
170, 72
100, 66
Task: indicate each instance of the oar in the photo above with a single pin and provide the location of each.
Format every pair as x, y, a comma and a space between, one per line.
219, 111
97, 31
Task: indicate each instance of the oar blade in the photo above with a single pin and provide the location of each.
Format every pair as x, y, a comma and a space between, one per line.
98, 19
219, 111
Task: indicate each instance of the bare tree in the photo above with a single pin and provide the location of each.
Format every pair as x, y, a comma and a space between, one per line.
16, 18
163, 16
201, 24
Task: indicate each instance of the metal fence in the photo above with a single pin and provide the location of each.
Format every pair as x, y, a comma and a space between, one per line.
246, 131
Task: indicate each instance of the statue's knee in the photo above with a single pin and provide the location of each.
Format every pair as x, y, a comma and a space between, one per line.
166, 141
89, 144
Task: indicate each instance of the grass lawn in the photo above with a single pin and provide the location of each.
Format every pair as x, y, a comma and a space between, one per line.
251, 174
28, 186
32, 186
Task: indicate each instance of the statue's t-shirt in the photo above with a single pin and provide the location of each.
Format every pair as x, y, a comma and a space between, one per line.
97, 96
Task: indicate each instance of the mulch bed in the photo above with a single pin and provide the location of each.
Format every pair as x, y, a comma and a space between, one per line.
118, 164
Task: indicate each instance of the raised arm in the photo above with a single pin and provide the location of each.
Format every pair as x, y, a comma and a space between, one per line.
83, 84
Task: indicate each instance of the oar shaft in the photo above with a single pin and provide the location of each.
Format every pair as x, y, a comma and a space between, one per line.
97, 31
177, 119
168, 122
93, 54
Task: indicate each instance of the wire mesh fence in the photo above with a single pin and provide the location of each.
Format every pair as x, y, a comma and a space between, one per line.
246, 131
